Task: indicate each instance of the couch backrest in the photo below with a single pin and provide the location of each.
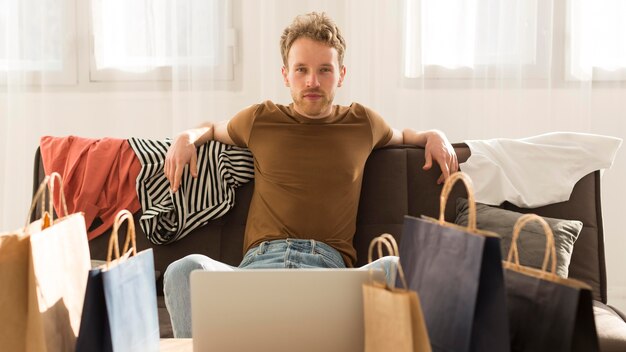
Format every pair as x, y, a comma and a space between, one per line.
392, 173
394, 185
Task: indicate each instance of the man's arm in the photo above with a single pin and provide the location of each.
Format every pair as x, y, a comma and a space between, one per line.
183, 149
436, 147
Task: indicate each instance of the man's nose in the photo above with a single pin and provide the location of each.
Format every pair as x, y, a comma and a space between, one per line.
312, 80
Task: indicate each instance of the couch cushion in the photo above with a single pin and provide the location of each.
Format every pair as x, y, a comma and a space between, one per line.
383, 201
532, 240
611, 328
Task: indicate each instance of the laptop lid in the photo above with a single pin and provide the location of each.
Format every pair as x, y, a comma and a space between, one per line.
279, 309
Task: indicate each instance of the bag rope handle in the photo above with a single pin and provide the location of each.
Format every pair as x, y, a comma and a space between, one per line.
39, 196
53, 177
121, 216
47, 184
550, 252
392, 248
445, 192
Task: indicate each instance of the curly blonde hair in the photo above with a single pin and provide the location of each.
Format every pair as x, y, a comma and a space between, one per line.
316, 26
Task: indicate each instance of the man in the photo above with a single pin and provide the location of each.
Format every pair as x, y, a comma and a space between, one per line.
309, 159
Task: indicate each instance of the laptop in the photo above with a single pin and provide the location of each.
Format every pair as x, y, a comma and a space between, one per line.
279, 309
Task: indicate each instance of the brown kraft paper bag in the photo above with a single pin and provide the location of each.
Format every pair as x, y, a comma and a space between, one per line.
393, 316
43, 268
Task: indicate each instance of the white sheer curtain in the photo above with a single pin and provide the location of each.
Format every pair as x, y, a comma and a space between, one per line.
188, 49
140, 36
34, 50
38, 47
477, 38
597, 40
515, 39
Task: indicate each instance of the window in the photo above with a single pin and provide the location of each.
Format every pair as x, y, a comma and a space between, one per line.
597, 40
160, 39
477, 38
70, 42
37, 41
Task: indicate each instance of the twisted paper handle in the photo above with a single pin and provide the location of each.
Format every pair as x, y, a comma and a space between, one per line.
550, 248
390, 243
47, 184
130, 235
445, 192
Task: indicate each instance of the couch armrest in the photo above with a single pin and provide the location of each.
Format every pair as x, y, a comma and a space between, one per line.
619, 312
610, 326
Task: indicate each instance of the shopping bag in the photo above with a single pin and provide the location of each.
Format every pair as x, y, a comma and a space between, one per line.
546, 312
457, 273
14, 256
47, 266
393, 316
120, 311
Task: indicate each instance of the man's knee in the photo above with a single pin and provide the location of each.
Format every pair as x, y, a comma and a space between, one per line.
178, 272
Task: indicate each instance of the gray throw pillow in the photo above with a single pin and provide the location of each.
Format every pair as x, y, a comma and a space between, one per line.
531, 243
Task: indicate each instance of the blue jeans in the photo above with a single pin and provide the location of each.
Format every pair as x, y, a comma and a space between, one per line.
288, 253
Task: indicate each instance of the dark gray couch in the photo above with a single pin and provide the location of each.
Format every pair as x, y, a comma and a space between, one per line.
394, 185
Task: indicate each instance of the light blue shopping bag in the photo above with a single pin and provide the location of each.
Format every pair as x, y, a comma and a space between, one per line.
126, 287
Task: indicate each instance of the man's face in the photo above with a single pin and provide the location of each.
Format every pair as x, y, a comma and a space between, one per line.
313, 76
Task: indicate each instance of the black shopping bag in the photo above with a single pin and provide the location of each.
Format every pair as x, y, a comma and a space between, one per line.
547, 312
120, 310
457, 273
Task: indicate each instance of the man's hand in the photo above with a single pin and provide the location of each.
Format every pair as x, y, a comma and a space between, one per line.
181, 152
438, 148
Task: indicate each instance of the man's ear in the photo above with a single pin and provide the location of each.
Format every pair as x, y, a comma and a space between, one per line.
285, 71
342, 75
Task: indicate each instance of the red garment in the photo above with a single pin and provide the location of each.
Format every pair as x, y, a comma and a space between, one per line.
98, 176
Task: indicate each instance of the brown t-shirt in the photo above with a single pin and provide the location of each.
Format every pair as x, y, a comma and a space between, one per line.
307, 172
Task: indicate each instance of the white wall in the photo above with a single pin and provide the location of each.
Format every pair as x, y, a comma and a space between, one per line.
372, 80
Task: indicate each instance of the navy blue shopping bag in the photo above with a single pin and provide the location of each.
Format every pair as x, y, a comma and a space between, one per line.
94, 334
120, 309
457, 273
547, 313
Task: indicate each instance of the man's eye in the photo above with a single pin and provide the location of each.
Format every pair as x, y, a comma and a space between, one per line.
300, 69
325, 70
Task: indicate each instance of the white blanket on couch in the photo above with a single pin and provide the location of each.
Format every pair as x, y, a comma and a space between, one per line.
535, 171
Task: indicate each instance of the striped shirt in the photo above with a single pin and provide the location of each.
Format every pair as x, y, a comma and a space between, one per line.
168, 216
